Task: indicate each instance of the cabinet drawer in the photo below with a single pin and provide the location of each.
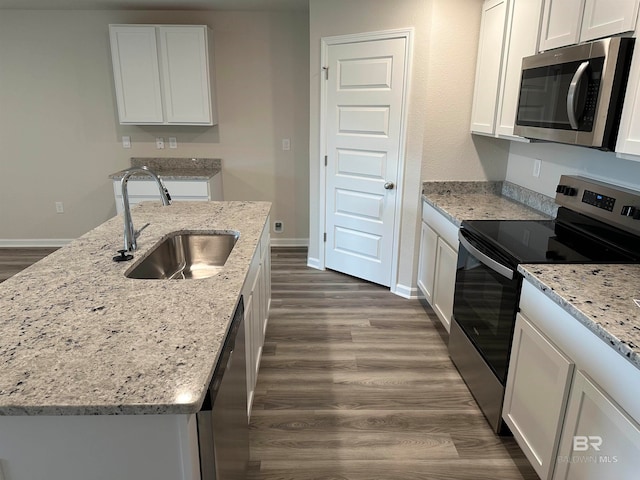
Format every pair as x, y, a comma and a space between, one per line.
441, 225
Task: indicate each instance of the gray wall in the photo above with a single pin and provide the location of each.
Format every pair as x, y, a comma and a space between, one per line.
60, 138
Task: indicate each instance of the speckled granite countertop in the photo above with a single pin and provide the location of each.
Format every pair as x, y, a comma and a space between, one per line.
460, 201
176, 168
79, 338
599, 296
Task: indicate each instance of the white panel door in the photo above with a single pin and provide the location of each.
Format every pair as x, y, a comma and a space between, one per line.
136, 73
184, 49
364, 110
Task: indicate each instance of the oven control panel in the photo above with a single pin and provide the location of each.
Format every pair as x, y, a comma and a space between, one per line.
617, 206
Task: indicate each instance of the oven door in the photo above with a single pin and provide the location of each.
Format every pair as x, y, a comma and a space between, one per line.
486, 300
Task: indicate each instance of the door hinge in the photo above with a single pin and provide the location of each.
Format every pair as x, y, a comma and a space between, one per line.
325, 236
325, 160
326, 72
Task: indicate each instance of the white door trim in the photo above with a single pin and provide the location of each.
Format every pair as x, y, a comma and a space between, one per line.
325, 42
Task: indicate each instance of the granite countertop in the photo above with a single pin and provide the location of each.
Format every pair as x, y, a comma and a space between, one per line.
601, 297
79, 338
175, 168
460, 201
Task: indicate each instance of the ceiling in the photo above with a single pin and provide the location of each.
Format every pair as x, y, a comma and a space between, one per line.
154, 4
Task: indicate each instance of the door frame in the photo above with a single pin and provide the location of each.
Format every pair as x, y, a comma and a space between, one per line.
325, 43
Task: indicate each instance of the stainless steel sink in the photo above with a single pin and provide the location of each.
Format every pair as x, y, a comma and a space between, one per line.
186, 256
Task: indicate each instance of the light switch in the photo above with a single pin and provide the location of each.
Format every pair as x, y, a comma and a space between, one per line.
286, 144
173, 142
126, 142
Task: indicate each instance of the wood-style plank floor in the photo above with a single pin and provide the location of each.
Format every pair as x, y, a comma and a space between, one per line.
12, 260
356, 383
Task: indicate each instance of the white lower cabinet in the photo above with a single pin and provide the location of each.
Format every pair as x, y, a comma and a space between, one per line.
571, 400
437, 262
599, 441
257, 301
180, 190
536, 395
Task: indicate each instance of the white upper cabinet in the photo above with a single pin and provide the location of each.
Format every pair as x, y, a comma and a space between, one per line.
483, 116
523, 30
163, 75
566, 22
510, 30
628, 142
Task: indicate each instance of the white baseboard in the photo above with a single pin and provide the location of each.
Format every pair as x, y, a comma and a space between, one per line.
314, 263
34, 242
404, 291
289, 242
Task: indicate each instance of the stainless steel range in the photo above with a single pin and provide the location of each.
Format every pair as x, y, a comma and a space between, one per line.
596, 223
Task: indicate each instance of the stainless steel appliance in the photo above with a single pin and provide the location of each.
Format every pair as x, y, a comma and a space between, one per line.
574, 94
597, 223
223, 431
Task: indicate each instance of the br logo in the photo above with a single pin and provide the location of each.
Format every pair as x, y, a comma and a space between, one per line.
582, 443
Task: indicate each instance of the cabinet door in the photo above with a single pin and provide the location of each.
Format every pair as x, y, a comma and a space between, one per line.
185, 74
427, 261
521, 41
445, 282
536, 395
485, 94
599, 440
136, 74
249, 349
561, 22
603, 18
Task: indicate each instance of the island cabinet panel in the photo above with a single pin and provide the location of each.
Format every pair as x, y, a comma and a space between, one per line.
257, 301
163, 74
597, 422
536, 395
141, 447
437, 262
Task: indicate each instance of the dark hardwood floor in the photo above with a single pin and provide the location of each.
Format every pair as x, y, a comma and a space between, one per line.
356, 383
12, 260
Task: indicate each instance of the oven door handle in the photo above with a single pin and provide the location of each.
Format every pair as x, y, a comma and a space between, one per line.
497, 267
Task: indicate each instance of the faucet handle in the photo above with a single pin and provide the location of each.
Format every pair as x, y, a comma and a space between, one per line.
123, 257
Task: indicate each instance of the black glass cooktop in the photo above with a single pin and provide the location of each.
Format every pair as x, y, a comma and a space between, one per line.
571, 238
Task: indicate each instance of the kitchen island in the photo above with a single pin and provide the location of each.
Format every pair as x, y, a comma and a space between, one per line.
91, 356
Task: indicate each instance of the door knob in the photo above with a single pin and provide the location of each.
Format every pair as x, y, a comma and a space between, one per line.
389, 186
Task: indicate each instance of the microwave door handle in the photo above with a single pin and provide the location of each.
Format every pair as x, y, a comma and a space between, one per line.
486, 260
572, 99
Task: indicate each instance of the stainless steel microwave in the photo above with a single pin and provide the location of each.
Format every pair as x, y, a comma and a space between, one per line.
574, 94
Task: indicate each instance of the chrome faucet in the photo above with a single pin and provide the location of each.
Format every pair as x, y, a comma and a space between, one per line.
129, 231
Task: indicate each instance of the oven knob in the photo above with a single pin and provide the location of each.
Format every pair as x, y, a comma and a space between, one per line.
570, 192
561, 188
631, 211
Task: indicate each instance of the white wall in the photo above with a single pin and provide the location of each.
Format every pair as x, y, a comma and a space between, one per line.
567, 160
59, 135
450, 151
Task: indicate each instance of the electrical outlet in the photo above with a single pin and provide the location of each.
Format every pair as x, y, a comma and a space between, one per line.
59, 207
286, 144
159, 143
536, 168
173, 142
126, 142
278, 227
